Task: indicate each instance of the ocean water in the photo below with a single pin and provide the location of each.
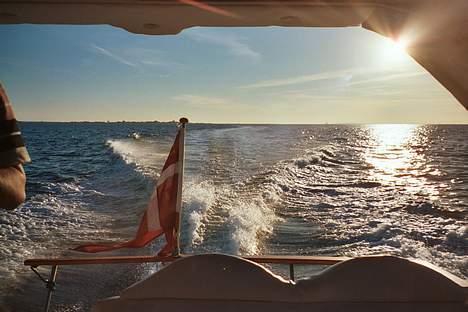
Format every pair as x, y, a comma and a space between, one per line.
249, 189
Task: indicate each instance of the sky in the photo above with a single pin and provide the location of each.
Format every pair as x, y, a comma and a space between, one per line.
220, 75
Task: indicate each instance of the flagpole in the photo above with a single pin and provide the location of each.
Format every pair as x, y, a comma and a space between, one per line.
180, 170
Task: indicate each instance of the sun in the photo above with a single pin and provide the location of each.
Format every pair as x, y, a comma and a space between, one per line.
395, 51
401, 44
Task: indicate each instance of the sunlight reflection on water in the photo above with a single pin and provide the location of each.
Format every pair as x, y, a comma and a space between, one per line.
394, 155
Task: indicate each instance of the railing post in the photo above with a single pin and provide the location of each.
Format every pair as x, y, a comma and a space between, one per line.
50, 284
291, 272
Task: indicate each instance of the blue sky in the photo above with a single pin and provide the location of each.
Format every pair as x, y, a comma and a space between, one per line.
256, 75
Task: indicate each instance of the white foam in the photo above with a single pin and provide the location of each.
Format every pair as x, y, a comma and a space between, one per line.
141, 153
198, 199
249, 219
42, 226
436, 255
245, 221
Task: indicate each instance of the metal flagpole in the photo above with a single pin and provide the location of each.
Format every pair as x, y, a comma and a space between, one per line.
180, 171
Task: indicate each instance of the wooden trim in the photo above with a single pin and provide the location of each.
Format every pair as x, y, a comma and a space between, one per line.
317, 260
98, 260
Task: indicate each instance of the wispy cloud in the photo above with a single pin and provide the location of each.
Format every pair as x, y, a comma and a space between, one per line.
340, 74
233, 43
351, 77
352, 85
150, 57
388, 77
201, 100
113, 56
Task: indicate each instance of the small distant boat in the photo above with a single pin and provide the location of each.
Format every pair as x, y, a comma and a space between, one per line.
135, 135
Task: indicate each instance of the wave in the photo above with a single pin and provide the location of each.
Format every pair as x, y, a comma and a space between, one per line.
249, 219
141, 153
437, 254
304, 162
227, 219
429, 208
198, 199
42, 227
323, 157
249, 190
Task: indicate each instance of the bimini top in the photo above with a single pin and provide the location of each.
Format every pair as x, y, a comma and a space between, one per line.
437, 31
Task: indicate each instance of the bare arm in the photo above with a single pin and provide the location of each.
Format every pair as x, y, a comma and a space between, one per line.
12, 185
13, 154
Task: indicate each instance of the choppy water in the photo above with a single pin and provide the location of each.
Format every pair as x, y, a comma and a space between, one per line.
309, 190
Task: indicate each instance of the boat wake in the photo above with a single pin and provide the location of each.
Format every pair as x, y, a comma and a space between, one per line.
220, 220
307, 190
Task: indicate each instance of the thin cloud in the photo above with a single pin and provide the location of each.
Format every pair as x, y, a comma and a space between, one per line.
354, 83
113, 56
150, 57
141, 59
233, 43
153, 63
340, 74
387, 77
352, 77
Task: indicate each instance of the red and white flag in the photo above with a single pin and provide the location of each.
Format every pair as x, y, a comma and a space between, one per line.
162, 214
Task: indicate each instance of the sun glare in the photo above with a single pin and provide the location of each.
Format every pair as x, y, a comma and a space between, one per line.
395, 50
401, 44
395, 162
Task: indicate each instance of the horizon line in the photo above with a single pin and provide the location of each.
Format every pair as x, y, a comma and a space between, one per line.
245, 123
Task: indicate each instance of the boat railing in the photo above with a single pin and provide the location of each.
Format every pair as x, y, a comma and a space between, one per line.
54, 263
291, 261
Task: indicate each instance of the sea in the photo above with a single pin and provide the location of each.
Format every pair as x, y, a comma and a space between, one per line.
334, 190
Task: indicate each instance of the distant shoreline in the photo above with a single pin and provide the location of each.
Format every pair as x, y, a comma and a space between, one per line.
248, 124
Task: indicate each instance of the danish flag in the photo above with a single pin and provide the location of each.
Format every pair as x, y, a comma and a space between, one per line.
162, 214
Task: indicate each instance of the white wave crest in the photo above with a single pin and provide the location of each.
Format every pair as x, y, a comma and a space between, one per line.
249, 219
198, 199
215, 213
141, 153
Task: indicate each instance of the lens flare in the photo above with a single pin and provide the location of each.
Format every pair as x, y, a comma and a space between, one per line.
401, 44
395, 51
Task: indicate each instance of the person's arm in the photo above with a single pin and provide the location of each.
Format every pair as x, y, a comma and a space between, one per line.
12, 187
13, 154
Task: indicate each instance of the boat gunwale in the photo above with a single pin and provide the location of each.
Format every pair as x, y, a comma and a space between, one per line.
270, 259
